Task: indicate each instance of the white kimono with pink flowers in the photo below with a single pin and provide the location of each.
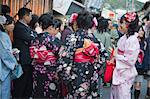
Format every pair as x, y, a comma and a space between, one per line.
125, 71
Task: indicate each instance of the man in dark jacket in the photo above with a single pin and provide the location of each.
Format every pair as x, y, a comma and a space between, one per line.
22, 38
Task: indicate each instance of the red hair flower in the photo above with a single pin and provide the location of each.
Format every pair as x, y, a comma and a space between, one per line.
130, 16
73, 17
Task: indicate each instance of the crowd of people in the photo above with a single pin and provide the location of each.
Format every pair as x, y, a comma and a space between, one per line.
69, 60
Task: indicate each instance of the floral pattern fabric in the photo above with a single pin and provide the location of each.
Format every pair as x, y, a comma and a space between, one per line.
44, 51
81, 78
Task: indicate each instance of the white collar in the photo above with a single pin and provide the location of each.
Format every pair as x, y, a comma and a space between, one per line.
21, 21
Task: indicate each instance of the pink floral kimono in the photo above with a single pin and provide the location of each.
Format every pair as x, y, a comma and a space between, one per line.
125, 71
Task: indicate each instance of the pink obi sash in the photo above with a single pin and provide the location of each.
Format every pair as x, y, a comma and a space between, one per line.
120, 52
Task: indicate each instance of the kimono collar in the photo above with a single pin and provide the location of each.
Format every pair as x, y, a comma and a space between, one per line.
82, 31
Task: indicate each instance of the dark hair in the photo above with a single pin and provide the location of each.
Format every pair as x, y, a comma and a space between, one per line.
33, 21
141, 27
147, 17
9, 20
5, 9
46, 20
85, 20
146, 5
97, 15
102, 25
133, 25
57, 23
122, 19
23, 11
2, 28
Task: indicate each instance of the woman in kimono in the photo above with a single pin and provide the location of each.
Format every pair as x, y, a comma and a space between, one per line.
7, 60
44, 51
126, 56
81, 59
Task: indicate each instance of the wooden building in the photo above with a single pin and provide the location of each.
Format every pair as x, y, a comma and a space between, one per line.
37, 6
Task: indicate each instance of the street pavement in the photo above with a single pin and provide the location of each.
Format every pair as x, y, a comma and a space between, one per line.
106, 91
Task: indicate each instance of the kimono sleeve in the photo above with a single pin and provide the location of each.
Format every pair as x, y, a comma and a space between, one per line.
129, 58
7, 57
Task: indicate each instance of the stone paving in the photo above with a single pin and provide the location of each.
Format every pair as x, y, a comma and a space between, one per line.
106, 91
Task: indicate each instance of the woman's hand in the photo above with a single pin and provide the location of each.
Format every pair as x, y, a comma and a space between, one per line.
112, 60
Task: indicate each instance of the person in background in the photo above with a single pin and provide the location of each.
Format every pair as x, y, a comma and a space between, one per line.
44, 51
34, 21
146, 8
9, 25
140, 66
147, 62
113, 33
5, 10
7, 60
70, 28
102, 33
126, 56
34, 25
23, 35
60, 27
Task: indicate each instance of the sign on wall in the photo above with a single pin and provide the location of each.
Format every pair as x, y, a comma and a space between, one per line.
61, 6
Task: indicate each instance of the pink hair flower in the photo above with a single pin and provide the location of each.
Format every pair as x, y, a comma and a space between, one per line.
130, 16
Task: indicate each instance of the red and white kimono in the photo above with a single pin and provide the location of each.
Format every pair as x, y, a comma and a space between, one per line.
125, 71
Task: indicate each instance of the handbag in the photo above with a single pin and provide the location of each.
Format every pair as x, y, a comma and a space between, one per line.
17, 72
109, 69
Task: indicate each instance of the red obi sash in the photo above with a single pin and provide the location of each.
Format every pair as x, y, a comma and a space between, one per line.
42, 56
88, 54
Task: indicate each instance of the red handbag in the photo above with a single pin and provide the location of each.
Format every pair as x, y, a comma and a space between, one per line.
109, 69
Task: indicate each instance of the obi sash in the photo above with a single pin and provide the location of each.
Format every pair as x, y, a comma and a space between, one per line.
42, 56
120, 52
89, 53
140, 56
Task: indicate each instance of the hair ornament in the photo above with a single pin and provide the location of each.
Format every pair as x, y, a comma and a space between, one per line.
130, 16
95, 21
73, 17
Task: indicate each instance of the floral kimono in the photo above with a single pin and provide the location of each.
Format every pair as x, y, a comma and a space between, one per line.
125, 71
44, 51
79, 64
